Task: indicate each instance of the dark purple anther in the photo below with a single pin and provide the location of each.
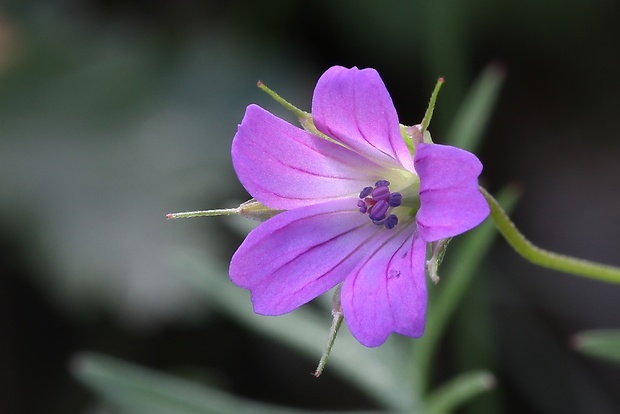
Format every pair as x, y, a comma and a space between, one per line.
365, 192
377, 213
391, 221
381, 193
378, 202
395, 199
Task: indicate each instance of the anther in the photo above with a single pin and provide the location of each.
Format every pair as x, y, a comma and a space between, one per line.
395, 199
381, 193
377, 212
378, 202
365, 192
362, 206
391, 221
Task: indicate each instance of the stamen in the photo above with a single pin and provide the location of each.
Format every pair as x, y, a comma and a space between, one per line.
391, 221
362, 206
381, 193
377, 212
365, 192
395, 199
378, 202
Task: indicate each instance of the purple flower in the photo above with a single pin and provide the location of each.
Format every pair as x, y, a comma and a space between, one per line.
360, 209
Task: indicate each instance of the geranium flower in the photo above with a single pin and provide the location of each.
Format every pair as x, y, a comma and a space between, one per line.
359, 209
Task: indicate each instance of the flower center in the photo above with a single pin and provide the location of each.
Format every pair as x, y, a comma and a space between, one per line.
379, 202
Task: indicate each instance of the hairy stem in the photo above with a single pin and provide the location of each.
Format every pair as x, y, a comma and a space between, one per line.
543, 257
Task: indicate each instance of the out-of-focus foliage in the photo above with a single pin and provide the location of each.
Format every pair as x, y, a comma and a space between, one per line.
103, 132
604, 344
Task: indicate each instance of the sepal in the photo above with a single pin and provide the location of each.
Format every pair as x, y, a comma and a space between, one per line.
255, 210
412, 135
251, 209
438, 251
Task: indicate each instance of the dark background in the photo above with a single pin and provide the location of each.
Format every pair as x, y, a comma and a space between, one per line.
113, 113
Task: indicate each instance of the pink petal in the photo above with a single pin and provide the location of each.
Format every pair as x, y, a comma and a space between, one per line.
387, 292
299, 254
450, 201
285, 167
354, 107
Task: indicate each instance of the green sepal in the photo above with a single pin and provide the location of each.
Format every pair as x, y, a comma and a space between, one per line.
408, 133
438, 251
305, 118
251, 209
255, 210
431, 105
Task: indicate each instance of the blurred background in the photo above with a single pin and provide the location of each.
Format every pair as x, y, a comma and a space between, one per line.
113, 113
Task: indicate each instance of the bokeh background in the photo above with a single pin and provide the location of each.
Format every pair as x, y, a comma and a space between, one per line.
113, 113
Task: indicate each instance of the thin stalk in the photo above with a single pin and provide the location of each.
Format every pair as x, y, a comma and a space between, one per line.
543, 257
333, 332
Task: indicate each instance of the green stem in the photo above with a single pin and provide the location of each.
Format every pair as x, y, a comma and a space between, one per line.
337, 317
543, 257
333, 332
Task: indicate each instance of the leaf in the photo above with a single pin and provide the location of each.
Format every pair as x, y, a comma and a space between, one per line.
467, 129
132, 389
141, 390
458, 390
603, 344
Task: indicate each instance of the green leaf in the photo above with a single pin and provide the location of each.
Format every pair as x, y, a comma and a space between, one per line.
473, 342
458, 390
140, 390
603, 344
128, 388
467, 129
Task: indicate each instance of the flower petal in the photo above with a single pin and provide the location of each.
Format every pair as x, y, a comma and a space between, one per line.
450, 200
299, 254
387, 293
354, 107
285, 167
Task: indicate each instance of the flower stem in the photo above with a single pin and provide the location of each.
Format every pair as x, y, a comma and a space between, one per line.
333, 331
203, 213
543, 257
